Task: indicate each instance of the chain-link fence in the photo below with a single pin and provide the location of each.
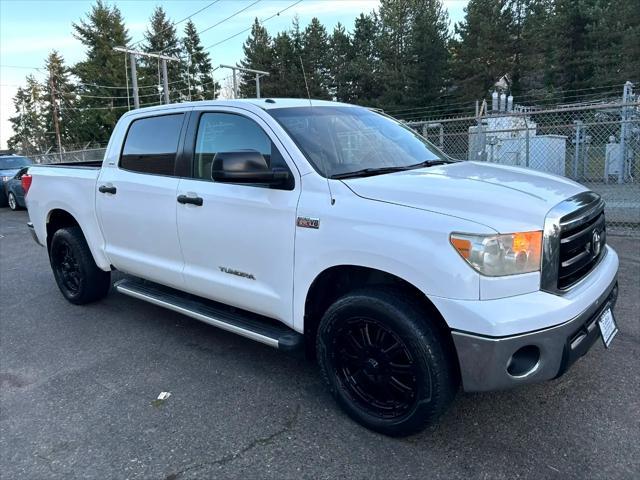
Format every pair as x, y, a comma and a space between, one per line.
597, 145
87, 155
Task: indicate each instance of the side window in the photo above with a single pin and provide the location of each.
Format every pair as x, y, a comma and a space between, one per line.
152, 144
228, 132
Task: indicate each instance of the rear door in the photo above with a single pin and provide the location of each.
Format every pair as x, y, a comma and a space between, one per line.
238, 244
136, 200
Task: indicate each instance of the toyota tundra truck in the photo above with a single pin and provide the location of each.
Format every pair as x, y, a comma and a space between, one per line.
335, 229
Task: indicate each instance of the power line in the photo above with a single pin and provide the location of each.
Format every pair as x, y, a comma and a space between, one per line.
22, 66
82, 109
249, 28
229, 17
437, 109
519, 98
223, 20
180, 21
119, 97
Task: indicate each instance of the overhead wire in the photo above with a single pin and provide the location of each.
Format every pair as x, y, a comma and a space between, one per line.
229, 17
180, 21
249, 28
437, 110
519, 98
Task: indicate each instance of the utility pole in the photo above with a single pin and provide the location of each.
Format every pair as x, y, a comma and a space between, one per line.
258, 73
165, 81
134, 77
189, 76
134, 82
54, 108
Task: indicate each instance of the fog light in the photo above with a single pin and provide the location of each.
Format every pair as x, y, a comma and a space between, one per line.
524, 361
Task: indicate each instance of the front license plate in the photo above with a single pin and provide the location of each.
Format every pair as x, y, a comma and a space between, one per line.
608, 328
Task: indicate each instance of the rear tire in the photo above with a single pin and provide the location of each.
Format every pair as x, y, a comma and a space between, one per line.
78, 277
386, 365
13, 203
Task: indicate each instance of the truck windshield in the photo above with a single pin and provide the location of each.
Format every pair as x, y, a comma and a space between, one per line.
8, 163
343, 142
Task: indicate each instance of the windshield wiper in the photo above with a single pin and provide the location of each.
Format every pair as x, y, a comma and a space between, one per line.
365, 172
427, 163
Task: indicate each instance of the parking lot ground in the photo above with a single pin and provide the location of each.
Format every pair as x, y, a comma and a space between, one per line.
79, 384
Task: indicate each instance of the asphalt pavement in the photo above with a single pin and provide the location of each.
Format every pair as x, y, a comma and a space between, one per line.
79, 389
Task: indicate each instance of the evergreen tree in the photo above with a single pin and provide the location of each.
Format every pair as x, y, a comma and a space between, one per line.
364, 70
613, 39
340, 60
198, 70
393, 45
533, 58
483, 53
258, 55
63, 90
102, 88
573, 65
427, 52
316, 59
286, 78
28, 125
161, 38
626, 23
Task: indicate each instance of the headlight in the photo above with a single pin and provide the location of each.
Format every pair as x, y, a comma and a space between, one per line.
5, 179
498, 255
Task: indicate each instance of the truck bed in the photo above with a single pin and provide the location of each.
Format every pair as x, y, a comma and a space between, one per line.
93, 164
71, 188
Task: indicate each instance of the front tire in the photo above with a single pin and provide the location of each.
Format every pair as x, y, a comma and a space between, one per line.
13, 203
78, 277
386, 365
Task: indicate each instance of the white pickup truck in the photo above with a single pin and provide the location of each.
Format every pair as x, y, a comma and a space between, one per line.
334, 228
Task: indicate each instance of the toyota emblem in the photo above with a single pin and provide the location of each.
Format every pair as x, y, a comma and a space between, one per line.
595, 243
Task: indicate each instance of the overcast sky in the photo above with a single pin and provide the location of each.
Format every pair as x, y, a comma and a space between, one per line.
30, 29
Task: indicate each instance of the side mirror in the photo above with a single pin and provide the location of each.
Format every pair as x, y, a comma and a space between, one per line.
246, 167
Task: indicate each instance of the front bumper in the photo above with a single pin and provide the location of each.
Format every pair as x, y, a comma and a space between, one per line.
488, 363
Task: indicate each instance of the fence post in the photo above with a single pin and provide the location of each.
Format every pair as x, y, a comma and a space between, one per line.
624, 123
526, 125
576, 150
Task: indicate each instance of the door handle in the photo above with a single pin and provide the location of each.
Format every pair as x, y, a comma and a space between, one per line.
188, 199
107, 189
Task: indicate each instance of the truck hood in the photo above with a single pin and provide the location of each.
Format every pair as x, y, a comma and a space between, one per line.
504, 198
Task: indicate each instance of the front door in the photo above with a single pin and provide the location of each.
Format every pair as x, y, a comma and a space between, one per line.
238, 244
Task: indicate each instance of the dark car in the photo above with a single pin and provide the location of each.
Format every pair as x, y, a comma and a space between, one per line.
14, 191
10, 165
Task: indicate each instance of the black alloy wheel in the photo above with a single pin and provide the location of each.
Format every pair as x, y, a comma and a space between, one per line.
374, 365
66, 267
78, 277
388, 363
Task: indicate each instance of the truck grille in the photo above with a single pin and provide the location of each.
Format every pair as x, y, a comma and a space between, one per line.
573, 241
582, 243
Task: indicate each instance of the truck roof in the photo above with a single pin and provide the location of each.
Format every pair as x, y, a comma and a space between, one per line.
264, 103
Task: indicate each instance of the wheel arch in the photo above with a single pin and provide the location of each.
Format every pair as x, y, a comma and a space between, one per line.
338, 280
58, 218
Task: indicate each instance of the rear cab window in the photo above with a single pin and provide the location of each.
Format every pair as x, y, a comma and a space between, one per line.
151, 145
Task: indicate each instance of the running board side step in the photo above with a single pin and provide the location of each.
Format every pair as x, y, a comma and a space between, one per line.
246, 324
